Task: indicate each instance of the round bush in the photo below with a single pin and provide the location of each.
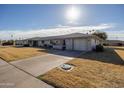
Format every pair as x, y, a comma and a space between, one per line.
99, 48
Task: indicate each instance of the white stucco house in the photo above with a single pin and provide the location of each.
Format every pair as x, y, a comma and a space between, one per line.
74, 41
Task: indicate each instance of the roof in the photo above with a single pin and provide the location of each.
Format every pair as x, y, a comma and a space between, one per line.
73, 35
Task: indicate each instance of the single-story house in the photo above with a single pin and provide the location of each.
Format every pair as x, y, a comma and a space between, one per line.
74, 41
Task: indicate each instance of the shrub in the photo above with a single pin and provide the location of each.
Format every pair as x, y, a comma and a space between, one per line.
99, 48
7, 43
105, 44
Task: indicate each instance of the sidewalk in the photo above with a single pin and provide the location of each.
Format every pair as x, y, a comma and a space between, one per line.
10, 76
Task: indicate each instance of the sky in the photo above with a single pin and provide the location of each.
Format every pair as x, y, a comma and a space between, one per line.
25, 21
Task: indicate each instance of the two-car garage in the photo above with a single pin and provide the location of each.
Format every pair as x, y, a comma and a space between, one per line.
77, 44
80, 44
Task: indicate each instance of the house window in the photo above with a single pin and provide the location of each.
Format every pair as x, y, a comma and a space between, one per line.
55, 42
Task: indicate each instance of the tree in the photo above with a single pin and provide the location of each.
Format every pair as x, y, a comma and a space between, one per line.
101, 35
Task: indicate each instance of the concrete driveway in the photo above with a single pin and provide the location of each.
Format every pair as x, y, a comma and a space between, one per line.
23, 73
11, 76
41, 64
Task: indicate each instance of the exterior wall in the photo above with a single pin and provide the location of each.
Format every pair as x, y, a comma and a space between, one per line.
40, 43
30, 43
89, 47
94, 42
97, 42
57, 44
25, 42
69, 44
18, 42
47, 42
21, 42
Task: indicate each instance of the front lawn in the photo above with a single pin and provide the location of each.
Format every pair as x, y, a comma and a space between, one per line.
91, 70
15, 53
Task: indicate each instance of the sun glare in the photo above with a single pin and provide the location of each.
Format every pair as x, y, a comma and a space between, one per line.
73, 14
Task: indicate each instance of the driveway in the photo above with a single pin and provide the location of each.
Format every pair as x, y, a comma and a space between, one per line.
11, 76
41, 64
23, 73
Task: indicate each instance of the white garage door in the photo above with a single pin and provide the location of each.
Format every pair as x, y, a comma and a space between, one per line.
80, 44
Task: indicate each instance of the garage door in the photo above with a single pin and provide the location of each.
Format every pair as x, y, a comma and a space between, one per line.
80, 44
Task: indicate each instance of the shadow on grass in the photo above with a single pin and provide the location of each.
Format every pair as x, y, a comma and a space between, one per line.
108, 56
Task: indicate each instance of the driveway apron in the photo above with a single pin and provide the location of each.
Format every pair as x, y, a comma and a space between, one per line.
42, 64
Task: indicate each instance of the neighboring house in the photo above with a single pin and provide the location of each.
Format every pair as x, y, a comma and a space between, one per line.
114, 42
74, 41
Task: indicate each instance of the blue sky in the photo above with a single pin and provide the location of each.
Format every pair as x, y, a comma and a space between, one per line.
26, 18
